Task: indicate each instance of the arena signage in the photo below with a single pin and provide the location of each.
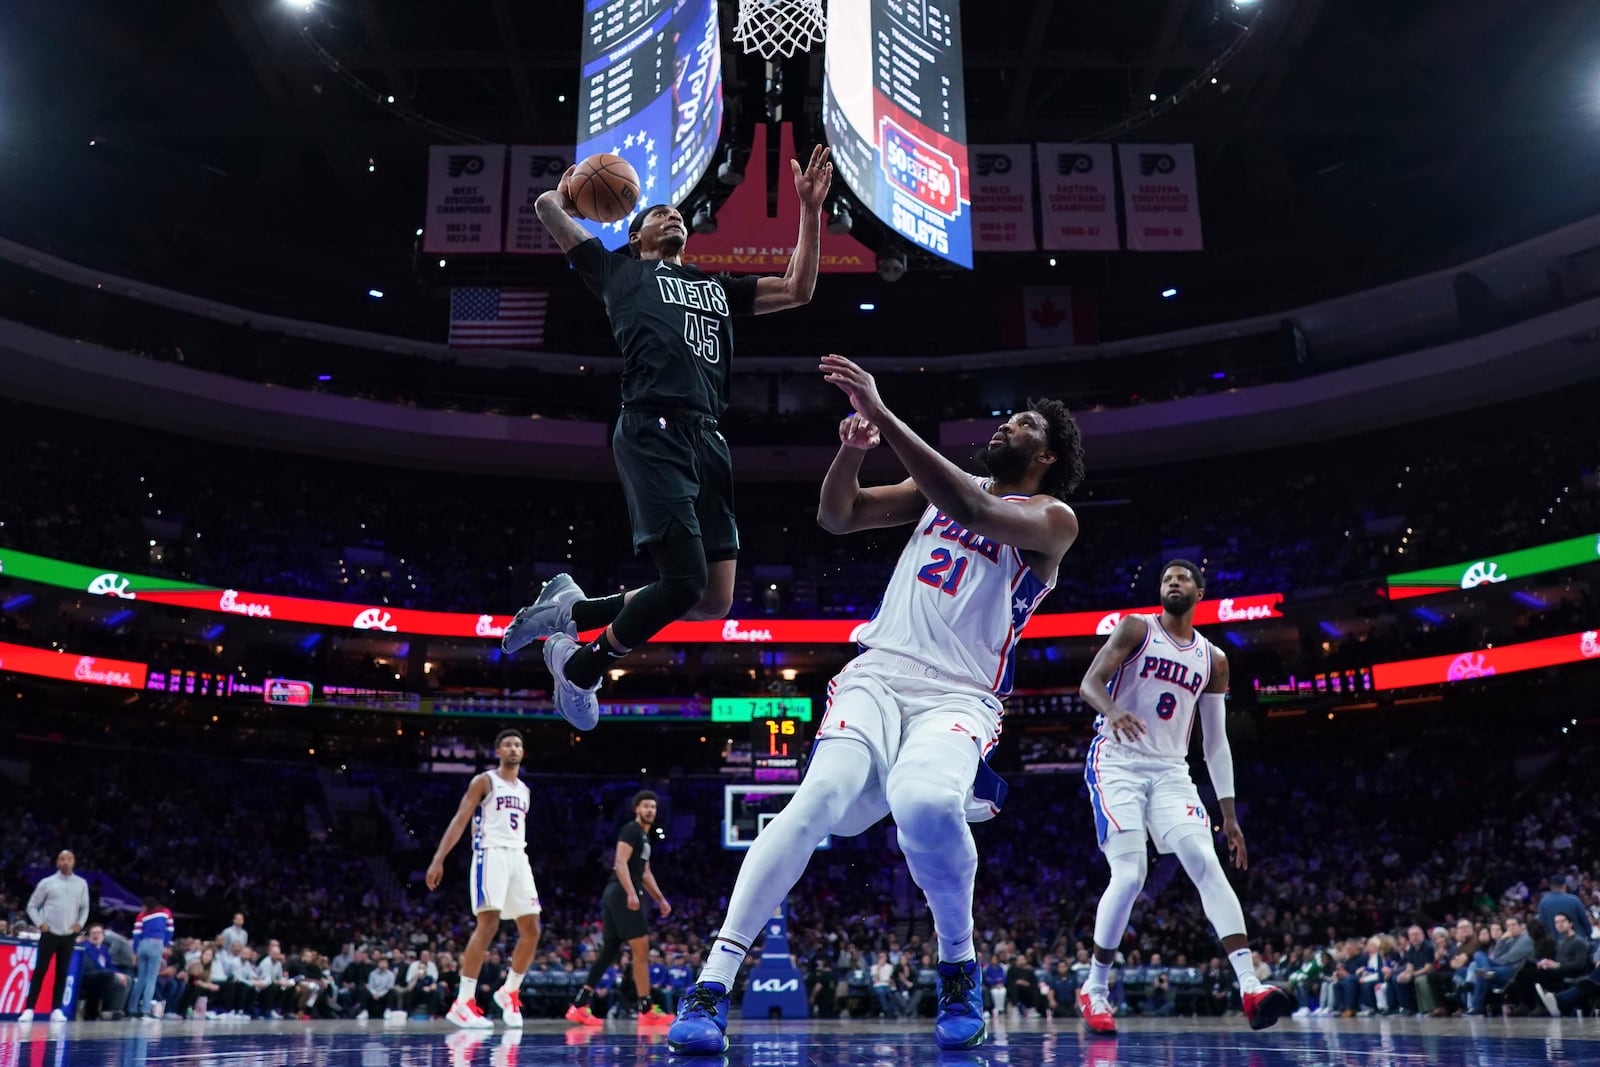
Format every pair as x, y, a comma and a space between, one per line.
1491, 570
1506, 659
90, 670
483, 625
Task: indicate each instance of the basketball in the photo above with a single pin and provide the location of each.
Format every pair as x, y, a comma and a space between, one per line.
605, 187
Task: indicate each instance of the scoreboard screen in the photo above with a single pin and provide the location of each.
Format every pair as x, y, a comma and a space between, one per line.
894, 107
650, 91
778, 747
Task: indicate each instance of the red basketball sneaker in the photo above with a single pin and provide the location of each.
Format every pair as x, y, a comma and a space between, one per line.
1266, 1006
1096, 1012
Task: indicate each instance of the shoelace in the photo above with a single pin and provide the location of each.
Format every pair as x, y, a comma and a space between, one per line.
515, 996
700, 999
955, 988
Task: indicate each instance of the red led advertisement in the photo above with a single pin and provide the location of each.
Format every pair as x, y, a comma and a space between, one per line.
90, 670
1507, 659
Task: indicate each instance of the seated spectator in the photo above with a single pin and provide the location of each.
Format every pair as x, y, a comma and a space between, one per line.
994, 983
883, 987
422, 975
105, 989
1582, 995
1569, 961
204, 988
378, 995
1501, 963
1061, 991
1413, 983
275, 988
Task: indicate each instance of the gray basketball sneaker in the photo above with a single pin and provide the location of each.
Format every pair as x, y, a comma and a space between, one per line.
577, 705
551, 613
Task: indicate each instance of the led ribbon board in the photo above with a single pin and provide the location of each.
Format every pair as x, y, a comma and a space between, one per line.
1491, 570
419, 623
1506, 659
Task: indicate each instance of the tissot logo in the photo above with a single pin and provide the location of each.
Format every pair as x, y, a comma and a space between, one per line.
1151, 163
468, 165
1070, 163
539, 166
992, 163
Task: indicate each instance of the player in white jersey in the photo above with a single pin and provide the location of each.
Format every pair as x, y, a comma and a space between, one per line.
496, 804
911, 720
1148, 684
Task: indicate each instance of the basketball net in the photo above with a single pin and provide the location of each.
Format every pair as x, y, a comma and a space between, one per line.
780, 27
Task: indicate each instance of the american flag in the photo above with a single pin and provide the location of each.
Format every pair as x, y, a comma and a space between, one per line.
496, 318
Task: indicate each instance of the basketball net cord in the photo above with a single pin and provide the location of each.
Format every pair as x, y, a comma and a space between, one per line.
780, 27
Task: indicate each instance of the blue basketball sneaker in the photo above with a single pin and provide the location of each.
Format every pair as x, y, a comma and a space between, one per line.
702, 1023
960, 1023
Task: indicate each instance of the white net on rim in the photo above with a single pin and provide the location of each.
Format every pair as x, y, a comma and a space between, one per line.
780, 27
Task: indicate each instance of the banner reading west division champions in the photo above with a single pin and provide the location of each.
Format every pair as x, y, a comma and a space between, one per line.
465, 196
894, 106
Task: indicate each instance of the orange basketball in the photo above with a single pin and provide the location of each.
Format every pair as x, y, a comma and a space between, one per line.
605, 187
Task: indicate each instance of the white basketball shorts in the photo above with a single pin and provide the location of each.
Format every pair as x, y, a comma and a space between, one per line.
502, 881
882, 700
1157, 797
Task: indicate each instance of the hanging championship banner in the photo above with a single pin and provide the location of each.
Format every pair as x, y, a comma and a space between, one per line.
1160, 197
1077, 197
466, 192
534, 170
1002, 197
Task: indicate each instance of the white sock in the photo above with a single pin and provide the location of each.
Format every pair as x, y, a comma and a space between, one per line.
1244, 967
468, 990
722, 962
513, 981
1099, 980
956, 950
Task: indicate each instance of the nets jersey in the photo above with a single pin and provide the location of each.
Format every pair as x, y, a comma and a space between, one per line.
501, 820
674, 325
957, 601
1161, 683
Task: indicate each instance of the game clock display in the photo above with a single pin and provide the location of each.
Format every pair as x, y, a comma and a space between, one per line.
895, 110
778, 748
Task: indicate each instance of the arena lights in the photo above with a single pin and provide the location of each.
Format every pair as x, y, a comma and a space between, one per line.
24, 566
869, 307
1168, 294
376, 294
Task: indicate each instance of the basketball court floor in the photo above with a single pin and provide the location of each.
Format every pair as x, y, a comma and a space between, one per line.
1153, 1043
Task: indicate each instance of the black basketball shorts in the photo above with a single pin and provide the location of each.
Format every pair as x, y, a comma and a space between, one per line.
618, 919
677, 475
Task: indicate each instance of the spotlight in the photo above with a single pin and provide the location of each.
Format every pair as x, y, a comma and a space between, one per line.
891, 265
705, 219
869, 306
1168, 294
839, 221
376, 294
730, 172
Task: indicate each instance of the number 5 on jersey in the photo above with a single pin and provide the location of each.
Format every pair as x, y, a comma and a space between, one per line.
700, 332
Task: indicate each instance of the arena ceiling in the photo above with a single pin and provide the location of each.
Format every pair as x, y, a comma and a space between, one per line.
1342, 143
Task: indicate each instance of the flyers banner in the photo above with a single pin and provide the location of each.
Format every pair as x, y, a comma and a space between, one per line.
466, 192
1492, 570
748, 241
96, 581
1506, 659
534, 169
1077, 197
1160, 199
1002, 198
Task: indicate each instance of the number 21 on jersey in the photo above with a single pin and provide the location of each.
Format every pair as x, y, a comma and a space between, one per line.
933, 572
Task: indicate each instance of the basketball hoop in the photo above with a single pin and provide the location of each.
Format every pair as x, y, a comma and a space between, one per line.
780, 27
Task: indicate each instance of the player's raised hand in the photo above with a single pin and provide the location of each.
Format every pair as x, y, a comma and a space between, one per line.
1235, 835
1124, 724
812, 183
564, 187
857, 432
434, 876
858, 385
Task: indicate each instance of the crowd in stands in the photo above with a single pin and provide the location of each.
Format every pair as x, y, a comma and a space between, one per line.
1381, 880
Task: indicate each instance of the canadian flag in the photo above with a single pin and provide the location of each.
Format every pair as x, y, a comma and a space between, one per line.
1056, 315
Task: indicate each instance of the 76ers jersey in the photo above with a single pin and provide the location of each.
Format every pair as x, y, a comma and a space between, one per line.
957, 601
1160, 683
501, 820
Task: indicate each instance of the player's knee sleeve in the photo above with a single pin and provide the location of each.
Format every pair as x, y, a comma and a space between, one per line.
928, 814
1217, 897
684, 572
1128, 872
1125, 843
837, 773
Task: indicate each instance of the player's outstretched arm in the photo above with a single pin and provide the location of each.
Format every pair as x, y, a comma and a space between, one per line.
1096, 688
1043, 524
557, 211
1219, 754
846, 506
800, 280
458, 825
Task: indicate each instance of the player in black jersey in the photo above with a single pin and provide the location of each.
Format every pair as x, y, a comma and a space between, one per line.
622, 919
673, 323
